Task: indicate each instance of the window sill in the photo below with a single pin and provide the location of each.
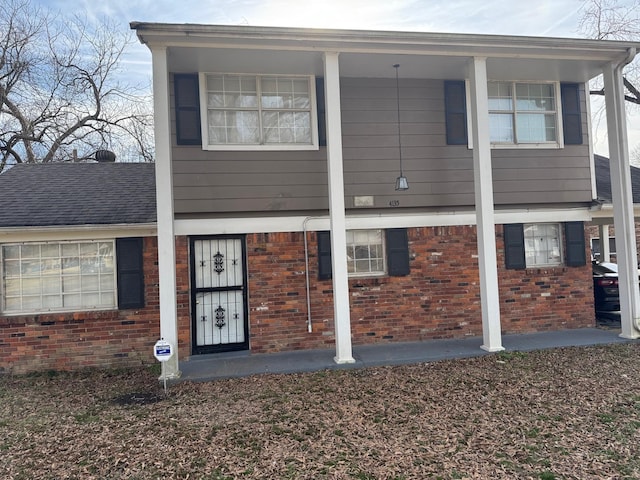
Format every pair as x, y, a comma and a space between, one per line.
526, 146
259, 148
61, 313
546, 269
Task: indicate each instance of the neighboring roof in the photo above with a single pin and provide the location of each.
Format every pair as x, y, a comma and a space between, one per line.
59, 194
603, 180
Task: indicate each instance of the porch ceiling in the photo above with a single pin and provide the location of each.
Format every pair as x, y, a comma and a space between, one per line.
376, 65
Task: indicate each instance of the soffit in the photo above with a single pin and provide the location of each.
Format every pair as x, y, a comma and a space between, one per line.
376, 65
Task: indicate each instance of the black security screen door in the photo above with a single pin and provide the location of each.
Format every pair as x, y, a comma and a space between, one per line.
219, 294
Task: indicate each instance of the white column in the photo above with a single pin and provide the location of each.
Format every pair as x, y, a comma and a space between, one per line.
483, 183
164, 205
341, 310
626, 249
605, 250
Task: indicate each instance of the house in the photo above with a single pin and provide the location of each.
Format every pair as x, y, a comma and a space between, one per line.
267, 139
602, 216
325, 188
78, 256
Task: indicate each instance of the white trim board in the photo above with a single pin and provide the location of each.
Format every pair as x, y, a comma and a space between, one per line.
76, 232
224, 226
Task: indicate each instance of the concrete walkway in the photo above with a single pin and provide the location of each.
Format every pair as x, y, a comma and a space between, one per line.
240, 364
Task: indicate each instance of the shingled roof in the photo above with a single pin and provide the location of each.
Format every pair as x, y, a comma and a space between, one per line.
60, 194
603, 180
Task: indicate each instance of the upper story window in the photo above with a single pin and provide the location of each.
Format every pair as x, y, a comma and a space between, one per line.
524, 114
271, 112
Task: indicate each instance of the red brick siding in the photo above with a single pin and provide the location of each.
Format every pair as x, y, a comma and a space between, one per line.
183, 297
67, 341
439, 299
541, 299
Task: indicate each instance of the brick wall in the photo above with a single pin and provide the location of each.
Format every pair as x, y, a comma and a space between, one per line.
183, 297
439, 299
542, 299
67, 341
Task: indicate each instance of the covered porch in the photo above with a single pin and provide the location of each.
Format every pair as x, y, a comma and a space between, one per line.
337, 55
202, 368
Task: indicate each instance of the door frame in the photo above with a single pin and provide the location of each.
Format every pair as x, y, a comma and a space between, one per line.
193, 291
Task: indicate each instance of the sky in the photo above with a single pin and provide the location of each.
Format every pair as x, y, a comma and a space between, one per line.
549, 18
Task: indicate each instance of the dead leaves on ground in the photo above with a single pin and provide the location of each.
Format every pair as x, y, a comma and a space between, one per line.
558, 414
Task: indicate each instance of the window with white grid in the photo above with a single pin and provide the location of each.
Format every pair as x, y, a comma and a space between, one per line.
542, 244
42, 277
365, 252
258, 111
523, 113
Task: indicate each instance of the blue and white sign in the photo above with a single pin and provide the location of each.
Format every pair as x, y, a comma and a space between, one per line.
162, 350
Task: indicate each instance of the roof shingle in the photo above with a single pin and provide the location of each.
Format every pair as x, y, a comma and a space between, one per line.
58, 194
603, 180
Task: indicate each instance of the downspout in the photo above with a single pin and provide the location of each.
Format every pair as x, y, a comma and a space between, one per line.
631, 54
306, 272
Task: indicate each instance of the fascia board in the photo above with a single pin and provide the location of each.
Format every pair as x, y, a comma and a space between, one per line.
605, 212
76, 232
361, 41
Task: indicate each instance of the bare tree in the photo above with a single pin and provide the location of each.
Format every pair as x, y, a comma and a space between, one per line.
614, 20
60, 89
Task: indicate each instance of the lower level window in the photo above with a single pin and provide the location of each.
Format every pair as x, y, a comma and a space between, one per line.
365, 252
542, 244
596, 250
57, 276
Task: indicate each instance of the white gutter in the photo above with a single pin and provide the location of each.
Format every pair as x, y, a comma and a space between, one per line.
172, 34
76, 232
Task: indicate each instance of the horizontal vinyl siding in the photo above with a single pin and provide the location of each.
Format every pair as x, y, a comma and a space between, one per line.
537, 176
235, 181
439, 175
262, 185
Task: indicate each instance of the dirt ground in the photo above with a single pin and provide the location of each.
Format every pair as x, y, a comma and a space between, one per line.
569, 413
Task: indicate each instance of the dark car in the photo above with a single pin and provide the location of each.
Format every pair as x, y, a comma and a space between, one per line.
605, 287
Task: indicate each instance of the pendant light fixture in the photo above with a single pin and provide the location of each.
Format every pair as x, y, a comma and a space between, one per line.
401, 182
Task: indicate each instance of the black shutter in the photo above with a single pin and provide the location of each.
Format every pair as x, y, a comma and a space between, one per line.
574, 238
571, 116
130, 273
514, 246
324, 255
322, 122
455, 107
397, 252
187, 109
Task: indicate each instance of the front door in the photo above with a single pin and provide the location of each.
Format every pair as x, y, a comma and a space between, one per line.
219, 294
